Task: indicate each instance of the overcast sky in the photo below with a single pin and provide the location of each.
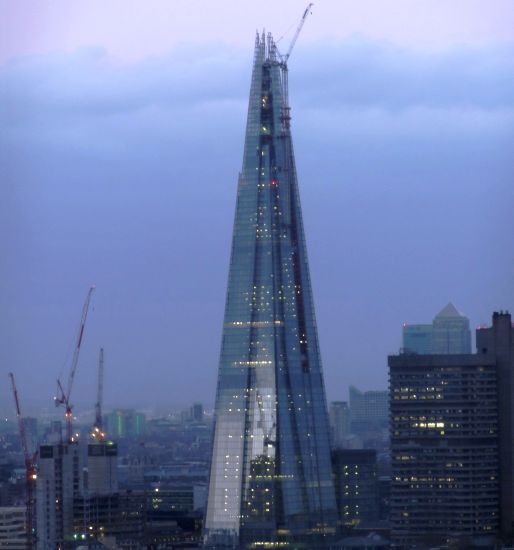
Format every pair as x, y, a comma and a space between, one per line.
121, 136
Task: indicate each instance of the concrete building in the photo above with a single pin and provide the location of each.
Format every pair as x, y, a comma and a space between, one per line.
356, 484
444, 445
13, 535
59, 485
339, 416
497, 344
369, 410
102, 463
448, 333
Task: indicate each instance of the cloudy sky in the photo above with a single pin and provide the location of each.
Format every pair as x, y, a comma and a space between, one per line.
121, 135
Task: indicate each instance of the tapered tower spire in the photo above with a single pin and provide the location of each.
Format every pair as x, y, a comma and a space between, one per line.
270, 478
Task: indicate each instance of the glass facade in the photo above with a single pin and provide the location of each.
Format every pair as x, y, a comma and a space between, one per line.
270, 481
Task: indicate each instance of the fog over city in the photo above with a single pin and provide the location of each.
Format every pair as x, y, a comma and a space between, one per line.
121, 143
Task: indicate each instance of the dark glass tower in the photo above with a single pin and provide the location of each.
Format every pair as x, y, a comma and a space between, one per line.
270, 482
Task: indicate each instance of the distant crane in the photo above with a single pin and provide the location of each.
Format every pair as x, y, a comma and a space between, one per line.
98, 432
63, 397
30, 466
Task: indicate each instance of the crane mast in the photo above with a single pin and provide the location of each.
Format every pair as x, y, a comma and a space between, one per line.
282, 63
98, 432
30, 467
63, 396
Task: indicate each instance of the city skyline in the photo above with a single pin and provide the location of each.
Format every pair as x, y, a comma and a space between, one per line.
100, 175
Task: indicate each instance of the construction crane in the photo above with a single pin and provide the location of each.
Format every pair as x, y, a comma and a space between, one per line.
298, 30
282, 63
63, 396
98, 433
30, 466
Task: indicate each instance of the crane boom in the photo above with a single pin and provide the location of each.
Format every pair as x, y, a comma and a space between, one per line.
76, 353
30, 467
63, 396
298, 30
21, 424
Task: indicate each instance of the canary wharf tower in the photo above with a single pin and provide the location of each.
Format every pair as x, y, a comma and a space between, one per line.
270, 479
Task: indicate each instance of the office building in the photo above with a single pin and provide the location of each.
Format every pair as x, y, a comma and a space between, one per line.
339, 415
448, 333
125, 423
356, 484
271, 477
13, 535
369, 410
417, 339
444, 445
497, 343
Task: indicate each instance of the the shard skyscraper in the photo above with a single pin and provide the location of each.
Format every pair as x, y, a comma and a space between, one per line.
270, 480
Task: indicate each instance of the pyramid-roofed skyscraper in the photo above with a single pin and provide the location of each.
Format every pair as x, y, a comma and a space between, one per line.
270, 480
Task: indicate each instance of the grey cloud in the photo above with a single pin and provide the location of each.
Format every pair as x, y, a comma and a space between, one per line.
359, 73
353, 73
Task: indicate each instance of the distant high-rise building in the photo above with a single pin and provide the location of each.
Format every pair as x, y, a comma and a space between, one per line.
122, 423
444, 445
369, 410
417, 339
197, 412
339, 415
271, 475
59, 485
497, 343
357, 488
448, 333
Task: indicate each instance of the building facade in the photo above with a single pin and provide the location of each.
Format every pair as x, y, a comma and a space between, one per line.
59, 485
356, 484
13, 535
369, 410
102, 463
339, 415
497, 343
448, 333
444, 446
271, 479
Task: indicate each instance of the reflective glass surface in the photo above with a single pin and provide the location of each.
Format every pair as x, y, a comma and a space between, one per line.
271, 481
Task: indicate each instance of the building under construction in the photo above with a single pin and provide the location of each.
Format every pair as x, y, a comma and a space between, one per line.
271, 477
